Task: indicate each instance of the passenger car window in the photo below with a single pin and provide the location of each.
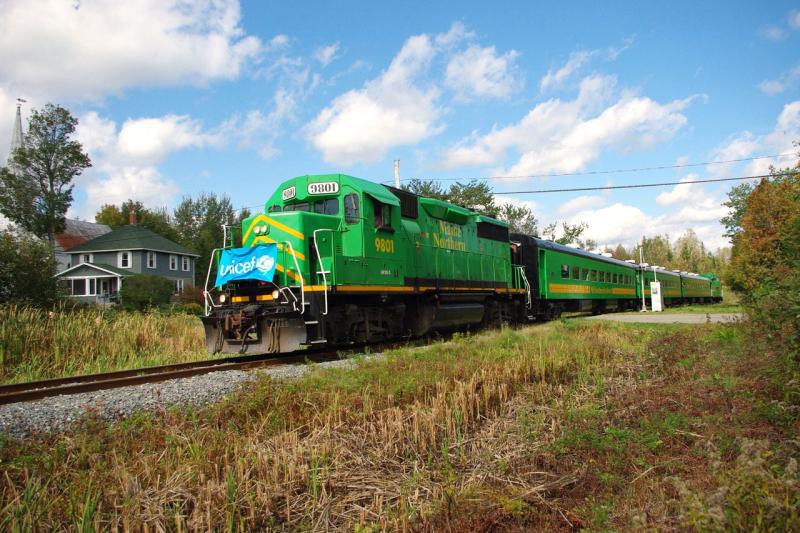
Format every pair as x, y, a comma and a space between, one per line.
576, 273
351, 211
565, 271
594, 275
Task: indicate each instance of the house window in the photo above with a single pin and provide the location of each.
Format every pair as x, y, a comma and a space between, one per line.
87, 258
178, 286
124, 259
185, 263
78, 287
151, 259
91, 287
173, 262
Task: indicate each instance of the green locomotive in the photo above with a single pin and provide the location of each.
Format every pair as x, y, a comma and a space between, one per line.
361, 262
336, 260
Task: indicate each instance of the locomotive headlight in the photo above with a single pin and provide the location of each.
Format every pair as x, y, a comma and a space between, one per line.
276, 294
257, 230
222, 298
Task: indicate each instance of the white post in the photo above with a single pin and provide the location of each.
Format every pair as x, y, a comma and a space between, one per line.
397, 173
642, 270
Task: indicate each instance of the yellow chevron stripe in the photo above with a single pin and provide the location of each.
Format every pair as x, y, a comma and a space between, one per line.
288, 273
272, 222
263, 238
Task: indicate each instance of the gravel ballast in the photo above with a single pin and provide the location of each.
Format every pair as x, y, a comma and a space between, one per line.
57, 414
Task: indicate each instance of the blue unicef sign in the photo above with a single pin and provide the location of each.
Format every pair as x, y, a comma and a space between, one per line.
257, 262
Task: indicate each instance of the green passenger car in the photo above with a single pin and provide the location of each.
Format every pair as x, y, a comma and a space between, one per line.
670, 284
563, 278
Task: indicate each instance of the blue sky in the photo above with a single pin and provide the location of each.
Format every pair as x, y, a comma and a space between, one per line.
178, 98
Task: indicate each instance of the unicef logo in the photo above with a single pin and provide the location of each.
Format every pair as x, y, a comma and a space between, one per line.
265, 263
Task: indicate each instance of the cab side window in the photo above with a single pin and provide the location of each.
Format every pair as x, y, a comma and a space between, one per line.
352, 213
383, 216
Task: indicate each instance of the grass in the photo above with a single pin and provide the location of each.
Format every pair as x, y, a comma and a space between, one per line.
37, 344
567, 425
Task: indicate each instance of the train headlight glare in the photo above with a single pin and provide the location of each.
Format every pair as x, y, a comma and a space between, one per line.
222, 298
276, 294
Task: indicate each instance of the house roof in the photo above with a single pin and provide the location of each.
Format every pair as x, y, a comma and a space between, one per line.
132, 238
104, 268
77, 232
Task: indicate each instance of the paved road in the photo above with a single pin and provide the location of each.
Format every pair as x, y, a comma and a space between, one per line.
667, 318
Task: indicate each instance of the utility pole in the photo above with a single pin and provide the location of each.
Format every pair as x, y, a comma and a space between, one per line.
397, 173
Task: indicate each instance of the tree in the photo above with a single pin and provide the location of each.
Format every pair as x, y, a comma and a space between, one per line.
427, 188
19, 283
520, 219
36, 187
475, 195
199, 226
737, 200
142, 291
156, 220
570, 233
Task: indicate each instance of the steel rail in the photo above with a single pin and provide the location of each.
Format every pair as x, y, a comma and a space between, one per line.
37, 390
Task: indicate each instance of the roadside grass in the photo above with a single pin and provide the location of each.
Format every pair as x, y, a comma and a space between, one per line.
36, 344
565, 425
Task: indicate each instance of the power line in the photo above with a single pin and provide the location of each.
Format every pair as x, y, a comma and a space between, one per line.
619, 171
641, 185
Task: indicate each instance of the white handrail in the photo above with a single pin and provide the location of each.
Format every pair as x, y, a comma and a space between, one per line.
300, 272
528, 300
319, 261
208, 301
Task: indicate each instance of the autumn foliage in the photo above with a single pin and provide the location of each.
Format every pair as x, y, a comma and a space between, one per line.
765, 267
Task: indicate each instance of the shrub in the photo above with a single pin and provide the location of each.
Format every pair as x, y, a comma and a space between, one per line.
142, 291
27, 266
192, 294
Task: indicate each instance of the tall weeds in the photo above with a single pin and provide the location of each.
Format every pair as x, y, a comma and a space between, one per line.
38, 344
372, 446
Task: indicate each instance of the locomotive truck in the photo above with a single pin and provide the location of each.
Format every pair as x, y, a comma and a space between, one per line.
335, 260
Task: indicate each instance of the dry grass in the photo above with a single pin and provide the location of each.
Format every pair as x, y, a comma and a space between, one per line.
37, 344
560, 426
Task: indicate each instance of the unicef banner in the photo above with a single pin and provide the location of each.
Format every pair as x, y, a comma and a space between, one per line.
257, 262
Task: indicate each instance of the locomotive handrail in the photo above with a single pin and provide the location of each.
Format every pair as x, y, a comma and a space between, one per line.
300, 272
208, 301
528, 298
322, 267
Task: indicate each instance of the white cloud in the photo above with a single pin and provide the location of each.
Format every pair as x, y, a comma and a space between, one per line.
502, 199
146, 185
555, 79
150, 140
87, 50
746, 144
680, 193
794, 19
565, 136
326, 54
391, 110
787, 79
581, 203
479, 72
774, 33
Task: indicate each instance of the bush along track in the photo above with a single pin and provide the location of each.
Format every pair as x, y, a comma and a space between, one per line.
562, 426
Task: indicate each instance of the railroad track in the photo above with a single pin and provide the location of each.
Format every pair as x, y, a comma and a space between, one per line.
36, 390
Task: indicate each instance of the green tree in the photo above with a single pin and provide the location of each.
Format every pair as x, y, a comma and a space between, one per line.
199, 222
475, 194
36, 186
156, 220
142, 291
570, 233
19, 283
427, 188
737, 200
520, 219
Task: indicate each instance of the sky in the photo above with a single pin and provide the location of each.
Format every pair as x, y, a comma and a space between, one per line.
175, 98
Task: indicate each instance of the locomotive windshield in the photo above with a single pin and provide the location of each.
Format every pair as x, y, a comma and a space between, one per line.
328, 206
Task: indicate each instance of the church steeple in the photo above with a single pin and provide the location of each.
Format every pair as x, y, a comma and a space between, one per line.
16, 135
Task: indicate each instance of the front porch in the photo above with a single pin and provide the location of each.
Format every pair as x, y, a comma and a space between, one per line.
92, 284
